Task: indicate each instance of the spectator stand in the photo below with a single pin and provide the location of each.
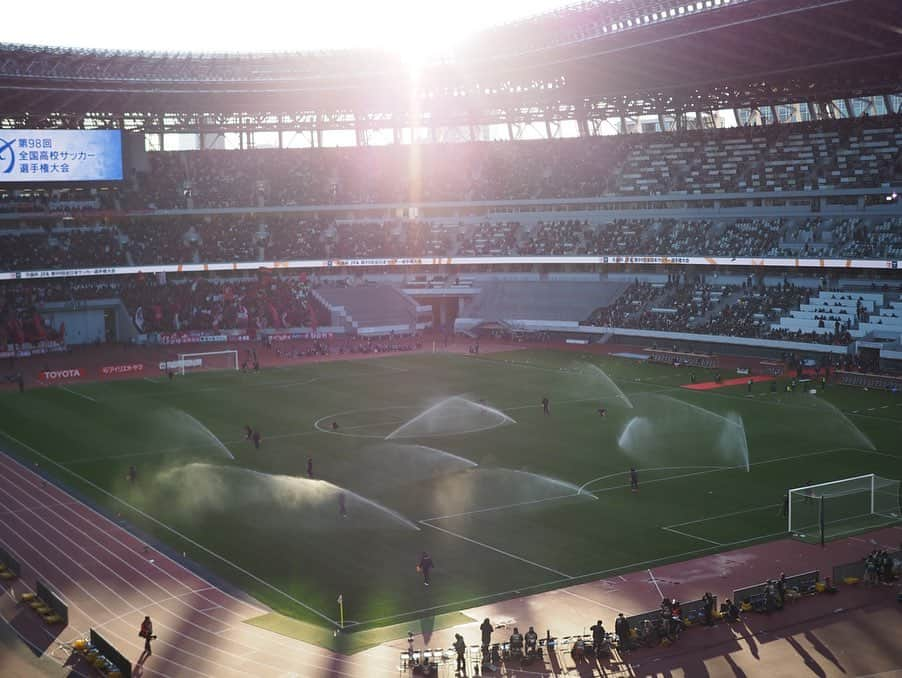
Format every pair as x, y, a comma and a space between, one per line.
416, 661
693, 613
772, 368
883, 382
9, 566
47, 604
677, 359
755, 595
103, 656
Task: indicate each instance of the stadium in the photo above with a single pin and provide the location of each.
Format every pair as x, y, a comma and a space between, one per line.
338, 363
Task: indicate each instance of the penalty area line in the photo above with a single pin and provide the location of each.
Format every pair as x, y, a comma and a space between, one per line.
497, 550
76, 393
692, 536
723, 515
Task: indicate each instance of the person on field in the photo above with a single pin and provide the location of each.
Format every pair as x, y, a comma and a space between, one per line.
546, 405
309, 467
424, 566
634, 479
255, 436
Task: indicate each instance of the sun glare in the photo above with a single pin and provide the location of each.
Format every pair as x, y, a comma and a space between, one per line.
418, 30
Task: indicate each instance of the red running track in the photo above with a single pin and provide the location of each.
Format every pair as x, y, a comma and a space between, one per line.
110, 579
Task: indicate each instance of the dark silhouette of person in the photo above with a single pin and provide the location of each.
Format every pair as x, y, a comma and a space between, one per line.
424, 566
146, 633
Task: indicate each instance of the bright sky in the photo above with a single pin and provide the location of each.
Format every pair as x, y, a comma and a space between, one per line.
409, 26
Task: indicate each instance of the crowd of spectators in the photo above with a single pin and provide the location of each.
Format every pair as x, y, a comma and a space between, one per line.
693, 305
262, 302
86, 242
158, 305
805, 156
826, 154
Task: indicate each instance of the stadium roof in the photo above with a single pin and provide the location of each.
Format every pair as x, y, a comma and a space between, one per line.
629, 57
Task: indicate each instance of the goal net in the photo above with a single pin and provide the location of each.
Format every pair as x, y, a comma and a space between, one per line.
211, 360
826, 511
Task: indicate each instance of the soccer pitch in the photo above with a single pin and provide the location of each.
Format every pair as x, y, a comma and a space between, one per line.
449, 454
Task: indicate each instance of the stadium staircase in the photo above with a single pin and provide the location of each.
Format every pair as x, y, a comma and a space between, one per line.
541, 300
368, 309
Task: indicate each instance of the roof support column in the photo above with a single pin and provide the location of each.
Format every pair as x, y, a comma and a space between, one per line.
850, 109
812, 110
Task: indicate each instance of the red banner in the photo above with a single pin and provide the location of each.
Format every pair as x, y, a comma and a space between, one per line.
59, 375
129, 368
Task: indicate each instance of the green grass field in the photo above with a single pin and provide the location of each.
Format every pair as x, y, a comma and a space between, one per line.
503, 507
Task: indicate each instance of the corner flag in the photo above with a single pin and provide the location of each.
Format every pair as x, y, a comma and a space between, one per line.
341, 611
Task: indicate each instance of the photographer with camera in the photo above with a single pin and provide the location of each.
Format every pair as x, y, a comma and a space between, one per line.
146, 633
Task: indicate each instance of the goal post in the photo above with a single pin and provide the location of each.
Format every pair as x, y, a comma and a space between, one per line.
824, 511
208, 360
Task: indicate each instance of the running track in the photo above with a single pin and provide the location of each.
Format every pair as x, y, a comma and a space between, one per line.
110, 579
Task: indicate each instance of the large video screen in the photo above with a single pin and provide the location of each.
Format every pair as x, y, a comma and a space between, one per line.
41, 155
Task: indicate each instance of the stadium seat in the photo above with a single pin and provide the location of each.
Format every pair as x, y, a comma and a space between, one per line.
27, 597
52, 618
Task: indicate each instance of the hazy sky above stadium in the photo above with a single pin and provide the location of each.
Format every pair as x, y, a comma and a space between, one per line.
410, 26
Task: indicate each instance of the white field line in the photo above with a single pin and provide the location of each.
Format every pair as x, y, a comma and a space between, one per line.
489, 509
309, 649
655, 582
461, 604
166, 527
649, 470
497, 550
76, 393
725, 515
238, 441
692, 536
715, 469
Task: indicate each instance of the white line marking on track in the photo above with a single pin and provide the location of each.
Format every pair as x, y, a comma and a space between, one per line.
589, 600
76, 393
136, 612
307, 649
655, 582
172, 530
